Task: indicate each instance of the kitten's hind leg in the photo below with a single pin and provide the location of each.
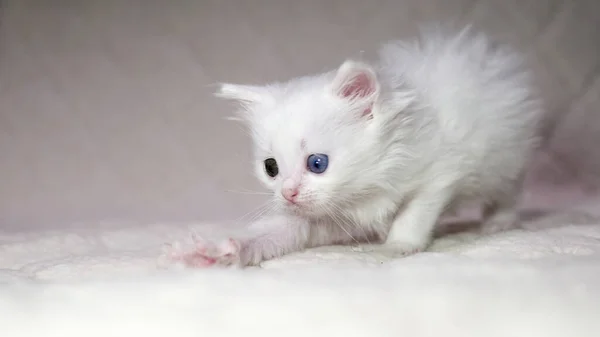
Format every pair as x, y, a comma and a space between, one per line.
501, 212
499, 216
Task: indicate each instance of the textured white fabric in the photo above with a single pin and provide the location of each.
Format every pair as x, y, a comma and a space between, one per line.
541, 281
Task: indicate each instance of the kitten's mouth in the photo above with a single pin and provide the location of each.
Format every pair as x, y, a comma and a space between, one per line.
296, 208
302, 209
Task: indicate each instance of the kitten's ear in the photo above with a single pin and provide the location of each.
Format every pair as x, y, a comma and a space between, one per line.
243, 94
356, 81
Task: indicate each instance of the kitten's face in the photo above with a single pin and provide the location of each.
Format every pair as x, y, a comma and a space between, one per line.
314, 140
311, 163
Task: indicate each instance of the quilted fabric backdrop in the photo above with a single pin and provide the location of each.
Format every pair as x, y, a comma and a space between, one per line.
106, 109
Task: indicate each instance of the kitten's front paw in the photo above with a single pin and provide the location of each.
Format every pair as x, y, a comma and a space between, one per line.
205, 253
394, 249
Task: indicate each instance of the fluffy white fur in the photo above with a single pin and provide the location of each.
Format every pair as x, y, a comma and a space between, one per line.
441, 120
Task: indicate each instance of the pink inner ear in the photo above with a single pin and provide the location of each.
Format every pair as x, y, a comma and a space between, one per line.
360, 85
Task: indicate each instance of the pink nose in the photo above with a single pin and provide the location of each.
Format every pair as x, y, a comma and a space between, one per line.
290, 194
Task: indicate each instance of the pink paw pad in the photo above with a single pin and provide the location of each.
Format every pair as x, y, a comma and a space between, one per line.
229, 247
206, 253
190, 259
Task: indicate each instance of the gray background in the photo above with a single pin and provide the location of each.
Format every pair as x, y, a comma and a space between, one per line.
106, 109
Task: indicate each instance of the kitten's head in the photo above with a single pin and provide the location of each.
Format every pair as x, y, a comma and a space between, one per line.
317, 140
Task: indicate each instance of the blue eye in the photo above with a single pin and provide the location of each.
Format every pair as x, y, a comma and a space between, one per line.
317, 163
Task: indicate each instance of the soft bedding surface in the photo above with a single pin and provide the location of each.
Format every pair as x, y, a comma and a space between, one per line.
543, 280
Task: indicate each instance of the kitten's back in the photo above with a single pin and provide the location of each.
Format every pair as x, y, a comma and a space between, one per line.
482, 96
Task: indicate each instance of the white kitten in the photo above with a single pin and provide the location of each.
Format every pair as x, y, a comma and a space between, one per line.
380, 152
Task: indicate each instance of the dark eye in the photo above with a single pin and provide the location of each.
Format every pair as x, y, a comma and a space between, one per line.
317, 163
271, 167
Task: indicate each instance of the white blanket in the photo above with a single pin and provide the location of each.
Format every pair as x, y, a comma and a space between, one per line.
542, 281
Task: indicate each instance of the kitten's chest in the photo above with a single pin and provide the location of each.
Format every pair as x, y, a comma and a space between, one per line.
374, 216
344, 230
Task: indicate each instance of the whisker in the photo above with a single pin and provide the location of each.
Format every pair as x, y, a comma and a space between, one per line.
351, 220
258, 209
266, 211
341, 215
358, 243
338, 223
